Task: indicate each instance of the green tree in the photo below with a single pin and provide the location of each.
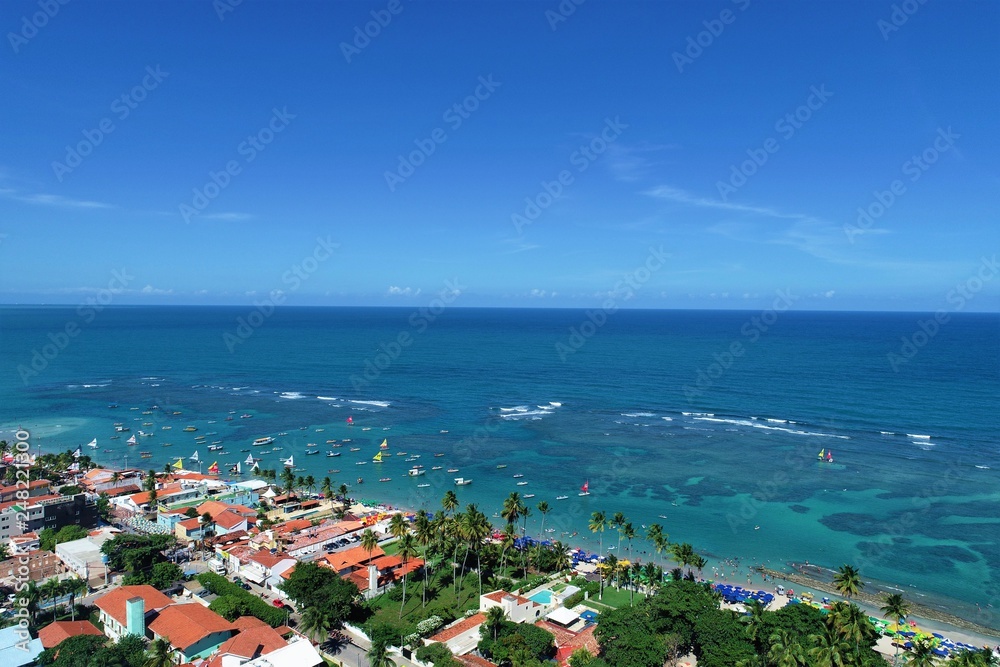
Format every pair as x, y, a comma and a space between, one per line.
406, 550
423, 533
495, 617
628, 639
922, 654
132, 649
159, 654
598, 523
617, 522
720, 639
326, 488
316, 624
449, 503
378, 655
72, 587
785, 651
829, 649
73, 652
438, 655
897, 608
312, 585
848, 581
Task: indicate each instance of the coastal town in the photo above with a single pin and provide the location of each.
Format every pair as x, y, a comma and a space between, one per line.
103, 566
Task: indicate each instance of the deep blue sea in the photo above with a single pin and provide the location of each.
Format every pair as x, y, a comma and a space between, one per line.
707, 422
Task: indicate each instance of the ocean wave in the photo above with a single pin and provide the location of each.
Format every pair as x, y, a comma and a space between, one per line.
380, 404
327, 398
698, 414
89, 386
555, 404
516, 408
918, 436
887, 433
291, 395
757, 424
667, 419
637, 414
534, 414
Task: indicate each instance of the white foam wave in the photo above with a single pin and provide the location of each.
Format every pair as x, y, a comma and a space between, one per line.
326, 398
698, 414
534, 414
637, 414
89, 386
555, 404
887, 433
291, 395
757, 424
516, 408
667, 419
778, 421
918, 436
380, 404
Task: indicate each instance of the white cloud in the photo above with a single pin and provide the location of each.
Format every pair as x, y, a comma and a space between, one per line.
149, 289
51, 200
395, 290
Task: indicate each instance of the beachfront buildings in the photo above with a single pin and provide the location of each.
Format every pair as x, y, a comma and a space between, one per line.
517, 608
84, 558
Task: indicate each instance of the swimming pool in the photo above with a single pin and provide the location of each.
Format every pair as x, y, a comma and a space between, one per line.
542, 597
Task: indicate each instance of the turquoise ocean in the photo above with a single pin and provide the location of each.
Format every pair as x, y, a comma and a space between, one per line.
707, 422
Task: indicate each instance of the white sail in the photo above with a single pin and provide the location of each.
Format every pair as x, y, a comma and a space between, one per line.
77, 453
92, 444
131, 440
239, 471
290, 462
194, 457
249, 460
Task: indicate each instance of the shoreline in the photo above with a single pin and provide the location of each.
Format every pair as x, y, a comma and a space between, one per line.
873, 602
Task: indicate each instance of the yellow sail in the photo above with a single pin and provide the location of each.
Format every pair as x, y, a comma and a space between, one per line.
377, 458
385, 444
179, 465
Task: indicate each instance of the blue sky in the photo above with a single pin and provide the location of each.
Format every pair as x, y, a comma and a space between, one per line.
653, 134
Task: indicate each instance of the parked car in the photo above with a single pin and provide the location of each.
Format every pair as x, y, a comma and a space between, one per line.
278, 603
245, 586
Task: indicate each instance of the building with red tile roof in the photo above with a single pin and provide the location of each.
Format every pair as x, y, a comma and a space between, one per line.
251, 642
55, 633
346, 561
194, 631
462, 636
518, 609
474, 661
113, 608
227, 522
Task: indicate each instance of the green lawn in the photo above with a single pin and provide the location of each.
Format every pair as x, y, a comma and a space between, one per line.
441, 601
612, 599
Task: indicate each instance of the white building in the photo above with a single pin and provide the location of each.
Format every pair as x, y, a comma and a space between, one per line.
84, 556
517, 608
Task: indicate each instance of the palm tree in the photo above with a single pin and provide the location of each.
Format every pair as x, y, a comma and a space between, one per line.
785, 650
50, 590
543, 509
397, 526
848, 581
512, 507
560, 557
315, 623
159, 654
628, 532
449, 503
656, 536
424, 534
342, 492
611, 563
981, 658
378, 655
326, 488
407, 549
850, 623
506, 542
288, 480
310, 483
922, 654
369, 541
29, 599
598, 522
495, 616
617, 521
71, 587
754, 622
896, 608
525, 513
829, 650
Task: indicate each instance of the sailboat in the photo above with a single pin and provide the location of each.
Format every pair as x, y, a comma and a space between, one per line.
194, 457
179, 465
385, 444
249, 460
93, 443
585, 489
377, 458
822, 454
130, 441
290, 461
350, 421
829, 456
236, 469
214, 468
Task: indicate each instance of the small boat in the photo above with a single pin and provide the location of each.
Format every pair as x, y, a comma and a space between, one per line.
176, 412
260, 442
214, 448
439, 454
585, 489
166, 444
501, 466
561, 497
166, 428
518, 476
451, 470
663, 516
312, 444
422, 486
200, 438
355, 449
385, 444
337, 445
216, 442
113, 405
332, 454
367, 428
347, 439
147, 412
121, 429
289, 462
282, 434
146, 455
361, 463
443, 431
145, 435
461, 481
436, 467
528, 495
147, 423
319, 430
212, 432
190, 429
333, 471
312, 451
115, 437
522, 484
416, 472
401, 454
229, 419
277, 449
385, 479
330, 442
244, 450
410, 460
377, 458
130, 441
245, 416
